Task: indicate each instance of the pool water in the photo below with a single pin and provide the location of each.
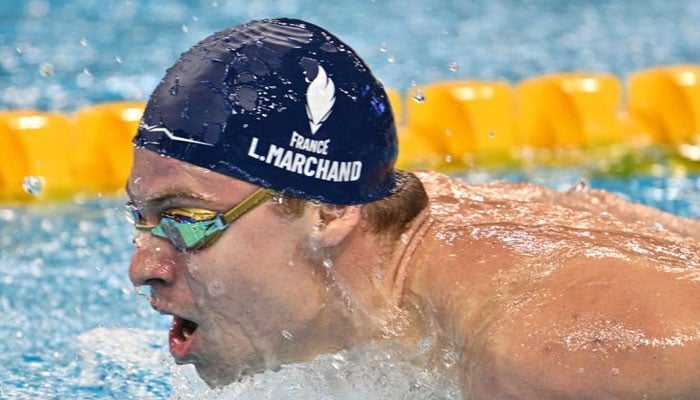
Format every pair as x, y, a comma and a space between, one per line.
73, 326
61, 55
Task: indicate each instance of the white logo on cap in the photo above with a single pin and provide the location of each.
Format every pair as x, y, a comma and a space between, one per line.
172, 136
320, 97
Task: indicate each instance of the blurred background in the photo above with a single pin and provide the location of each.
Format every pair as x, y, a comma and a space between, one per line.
62, 55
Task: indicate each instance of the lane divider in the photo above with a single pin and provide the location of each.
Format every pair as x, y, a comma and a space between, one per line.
443, 125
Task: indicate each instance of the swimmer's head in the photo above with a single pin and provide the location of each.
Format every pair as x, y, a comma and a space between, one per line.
279, 103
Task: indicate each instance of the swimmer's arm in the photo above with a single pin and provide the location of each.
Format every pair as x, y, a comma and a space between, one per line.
586, 331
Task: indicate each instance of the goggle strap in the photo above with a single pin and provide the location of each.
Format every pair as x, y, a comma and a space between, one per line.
253, 200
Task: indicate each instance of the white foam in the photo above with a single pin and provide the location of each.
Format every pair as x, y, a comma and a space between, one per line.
366, 373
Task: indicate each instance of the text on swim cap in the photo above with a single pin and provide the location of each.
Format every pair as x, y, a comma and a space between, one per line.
307, 165
304, 143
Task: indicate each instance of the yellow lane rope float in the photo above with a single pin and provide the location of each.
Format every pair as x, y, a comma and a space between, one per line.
448, 125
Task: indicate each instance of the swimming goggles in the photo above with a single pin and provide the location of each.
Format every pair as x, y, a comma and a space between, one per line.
191, 228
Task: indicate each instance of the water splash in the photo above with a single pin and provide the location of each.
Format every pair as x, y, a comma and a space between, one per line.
418, 95
287, 334
215, 288
581, 186
33, 185
46, 69
368, 372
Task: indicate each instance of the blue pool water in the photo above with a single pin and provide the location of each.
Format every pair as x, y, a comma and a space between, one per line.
64, 54
73, 327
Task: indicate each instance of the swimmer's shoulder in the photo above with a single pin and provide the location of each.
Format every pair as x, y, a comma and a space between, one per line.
442, 187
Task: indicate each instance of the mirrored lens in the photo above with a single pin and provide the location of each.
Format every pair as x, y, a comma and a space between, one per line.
188, 235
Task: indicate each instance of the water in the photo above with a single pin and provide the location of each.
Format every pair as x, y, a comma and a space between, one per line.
60, 55
73, 327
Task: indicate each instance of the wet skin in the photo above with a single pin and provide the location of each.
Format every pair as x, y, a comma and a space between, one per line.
562, 296
257, 296
544, 295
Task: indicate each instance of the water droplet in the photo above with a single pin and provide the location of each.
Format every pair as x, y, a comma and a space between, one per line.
83, 42
454, 66
290, 263
448, 132
185, 28
383, 47
118, 59
615, 371
287, 334
33, 185
46, 69
581, 186
339, 361
84, 79
448, 158
405, 238
328, 263
449, 358
658, 227
418, 95
215, 288
391, 59
492, 135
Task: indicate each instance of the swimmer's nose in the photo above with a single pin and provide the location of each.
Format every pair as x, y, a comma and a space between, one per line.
150, 266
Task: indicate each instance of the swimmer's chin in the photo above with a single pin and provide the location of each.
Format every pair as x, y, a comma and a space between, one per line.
218, 377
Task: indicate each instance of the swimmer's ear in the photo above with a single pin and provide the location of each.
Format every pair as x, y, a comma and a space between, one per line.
334, 224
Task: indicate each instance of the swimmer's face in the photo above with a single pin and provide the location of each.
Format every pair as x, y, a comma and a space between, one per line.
248, 302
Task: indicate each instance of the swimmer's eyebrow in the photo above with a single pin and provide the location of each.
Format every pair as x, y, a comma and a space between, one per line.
166, 195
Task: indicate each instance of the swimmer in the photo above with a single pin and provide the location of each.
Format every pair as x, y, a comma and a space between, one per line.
272, 225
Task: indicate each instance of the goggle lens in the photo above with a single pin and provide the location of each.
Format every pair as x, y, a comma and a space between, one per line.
188, 236
189, 228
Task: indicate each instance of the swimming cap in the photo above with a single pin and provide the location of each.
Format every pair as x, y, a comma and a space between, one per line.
280, 103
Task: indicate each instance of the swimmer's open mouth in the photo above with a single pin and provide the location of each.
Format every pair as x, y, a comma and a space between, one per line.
182, 335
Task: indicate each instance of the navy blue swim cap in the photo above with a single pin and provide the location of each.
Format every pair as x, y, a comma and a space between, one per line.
279, 103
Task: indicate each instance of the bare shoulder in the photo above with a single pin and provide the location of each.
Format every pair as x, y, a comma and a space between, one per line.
609, 322
591, 205
560, 295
